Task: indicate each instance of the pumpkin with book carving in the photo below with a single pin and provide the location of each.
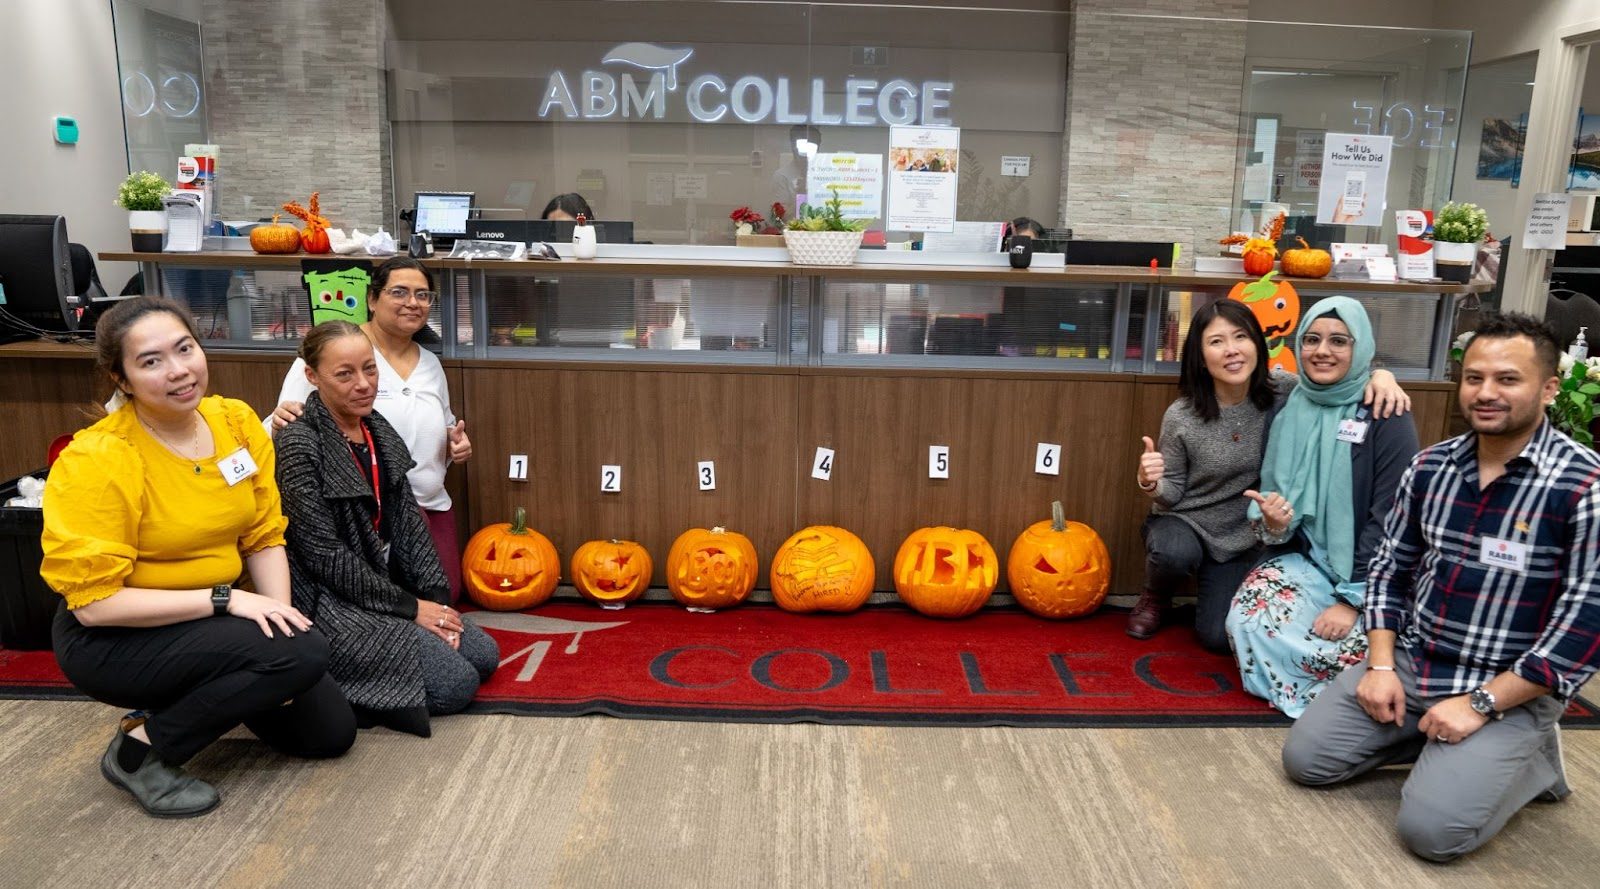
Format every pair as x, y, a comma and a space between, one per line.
822, 568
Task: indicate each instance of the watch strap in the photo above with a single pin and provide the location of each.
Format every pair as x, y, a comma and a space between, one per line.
221, 595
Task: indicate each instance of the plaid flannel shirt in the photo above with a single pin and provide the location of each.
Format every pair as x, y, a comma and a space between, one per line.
1464, 621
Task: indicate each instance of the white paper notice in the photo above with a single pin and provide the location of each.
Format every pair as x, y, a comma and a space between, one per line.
658, 189
968, 237
922, 178
858, 177
1015, 165
1308, 160
1355, 179
690, 186
1547, 222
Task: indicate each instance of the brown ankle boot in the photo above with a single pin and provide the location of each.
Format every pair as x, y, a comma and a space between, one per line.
1145, 618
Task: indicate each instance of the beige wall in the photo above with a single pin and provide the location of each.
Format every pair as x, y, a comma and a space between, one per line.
59, 57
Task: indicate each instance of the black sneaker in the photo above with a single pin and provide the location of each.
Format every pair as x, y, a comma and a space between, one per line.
162, 790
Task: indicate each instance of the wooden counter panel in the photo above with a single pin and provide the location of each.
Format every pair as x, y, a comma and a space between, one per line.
655, 425
40, 400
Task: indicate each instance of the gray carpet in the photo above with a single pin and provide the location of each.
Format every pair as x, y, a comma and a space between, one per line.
599, 802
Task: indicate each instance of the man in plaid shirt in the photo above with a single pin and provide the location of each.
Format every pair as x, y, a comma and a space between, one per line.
1482, 611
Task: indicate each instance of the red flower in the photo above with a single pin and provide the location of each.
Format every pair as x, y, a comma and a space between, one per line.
777, 210
745, 214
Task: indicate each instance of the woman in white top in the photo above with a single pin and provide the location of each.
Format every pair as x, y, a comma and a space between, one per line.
413, 396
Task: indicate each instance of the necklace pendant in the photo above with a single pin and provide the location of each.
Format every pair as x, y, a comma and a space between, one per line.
197, 469
1236, 436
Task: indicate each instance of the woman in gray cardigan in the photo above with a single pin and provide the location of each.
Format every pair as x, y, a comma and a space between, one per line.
362, 563
1327, 483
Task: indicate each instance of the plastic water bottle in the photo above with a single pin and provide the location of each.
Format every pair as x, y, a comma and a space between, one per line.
583, 243
1579, 350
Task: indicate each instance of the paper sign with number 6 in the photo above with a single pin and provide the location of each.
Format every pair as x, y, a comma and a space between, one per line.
1047, 459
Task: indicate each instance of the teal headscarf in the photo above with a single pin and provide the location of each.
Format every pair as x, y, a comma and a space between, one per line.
1305, 461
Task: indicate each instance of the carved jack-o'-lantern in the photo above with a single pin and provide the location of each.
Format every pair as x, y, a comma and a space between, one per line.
508, 566
711, 569
611, 572
945, 572
1059, 568
822, 568
1276, 305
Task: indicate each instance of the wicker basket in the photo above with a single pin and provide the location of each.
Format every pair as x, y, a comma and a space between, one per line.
822, 248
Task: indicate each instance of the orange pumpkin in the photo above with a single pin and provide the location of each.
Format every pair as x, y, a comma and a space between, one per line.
508, 567
945, 572
822, 568
1059, 568
711, 569
275, 238
315, 240
315, 237
1307, 262
1276, 304
611, 572
1259, 254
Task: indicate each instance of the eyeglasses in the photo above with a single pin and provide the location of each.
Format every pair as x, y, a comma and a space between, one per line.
1336, 343
425, 297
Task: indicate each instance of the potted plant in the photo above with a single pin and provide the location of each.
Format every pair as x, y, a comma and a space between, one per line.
140, 194
1573, 408
751, 229
822, 236
1457, 230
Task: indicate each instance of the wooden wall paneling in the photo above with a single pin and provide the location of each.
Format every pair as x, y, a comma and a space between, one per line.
41, 398
881, 428
656, 424
1433, 410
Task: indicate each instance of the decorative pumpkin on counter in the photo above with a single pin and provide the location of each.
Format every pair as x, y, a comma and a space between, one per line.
508, 566
1306, 261
275, 237
711, 569
822, 568
315, 236
611, 572
1059, 568
1259, 255
1276, 304
945, 572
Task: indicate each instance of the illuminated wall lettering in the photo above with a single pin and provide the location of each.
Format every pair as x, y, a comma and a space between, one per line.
752, 98
1402, 122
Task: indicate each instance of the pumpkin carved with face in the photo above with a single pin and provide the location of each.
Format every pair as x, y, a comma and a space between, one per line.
711, 569
507, 566
822, 568
945, 572
611, 572
1059, 568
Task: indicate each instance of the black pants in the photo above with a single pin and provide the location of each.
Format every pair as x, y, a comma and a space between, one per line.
201, 678
1173, 554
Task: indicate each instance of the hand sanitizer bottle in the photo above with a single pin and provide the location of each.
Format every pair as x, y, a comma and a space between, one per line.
1579, 350
583, 243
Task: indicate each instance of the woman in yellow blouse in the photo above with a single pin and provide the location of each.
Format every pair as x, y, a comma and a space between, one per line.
150, 517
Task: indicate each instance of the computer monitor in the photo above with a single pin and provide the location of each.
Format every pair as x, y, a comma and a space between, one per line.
559, 231
36, 271
444, 214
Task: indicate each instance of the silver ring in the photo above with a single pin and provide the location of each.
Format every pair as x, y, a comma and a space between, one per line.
441, 622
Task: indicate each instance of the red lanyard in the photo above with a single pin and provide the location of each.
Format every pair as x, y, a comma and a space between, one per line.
377, 488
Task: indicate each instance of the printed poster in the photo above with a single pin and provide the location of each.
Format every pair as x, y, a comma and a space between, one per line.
858, 177
1355, 179
922, 178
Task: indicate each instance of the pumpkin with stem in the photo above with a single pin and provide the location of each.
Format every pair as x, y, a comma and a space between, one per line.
822, 568
945, 572
1306, 262
611, 572
315, 237
1059, 568
711, 569
508, 566
275, 237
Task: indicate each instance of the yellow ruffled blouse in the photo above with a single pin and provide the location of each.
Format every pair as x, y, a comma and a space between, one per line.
121, 510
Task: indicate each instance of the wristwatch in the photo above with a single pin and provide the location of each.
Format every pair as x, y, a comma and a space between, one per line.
1483, 703
221, 594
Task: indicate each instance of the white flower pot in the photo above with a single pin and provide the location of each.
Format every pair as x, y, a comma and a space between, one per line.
148, 229
822, 248
1454, 261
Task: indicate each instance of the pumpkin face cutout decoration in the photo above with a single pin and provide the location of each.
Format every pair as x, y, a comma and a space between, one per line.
1059, 568
945, 572
611, 572
1276, 305
711, 569
822, 568
508, 567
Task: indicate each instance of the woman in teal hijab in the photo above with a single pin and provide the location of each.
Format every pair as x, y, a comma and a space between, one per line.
1328, 480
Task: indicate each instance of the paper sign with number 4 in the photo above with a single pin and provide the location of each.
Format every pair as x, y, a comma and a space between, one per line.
822, 464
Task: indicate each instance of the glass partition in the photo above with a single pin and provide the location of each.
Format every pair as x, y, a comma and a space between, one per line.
671, 115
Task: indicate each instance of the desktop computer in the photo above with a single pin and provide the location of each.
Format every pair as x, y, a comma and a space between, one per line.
36, 274
443, 214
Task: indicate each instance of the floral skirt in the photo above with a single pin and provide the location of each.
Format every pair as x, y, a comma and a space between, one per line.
1269, 627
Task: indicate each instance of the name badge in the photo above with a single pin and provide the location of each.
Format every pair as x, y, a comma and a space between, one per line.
1501, 553
1353, 431
383, 393
237, 466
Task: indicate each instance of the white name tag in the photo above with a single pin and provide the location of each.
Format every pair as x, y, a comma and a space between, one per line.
236, 467
1353, 431
1500, 553
383, 393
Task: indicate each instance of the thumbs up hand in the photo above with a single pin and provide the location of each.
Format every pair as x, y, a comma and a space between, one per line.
1151, 466
460, 445
1275, 511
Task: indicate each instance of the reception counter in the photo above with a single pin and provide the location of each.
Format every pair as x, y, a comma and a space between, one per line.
655, 365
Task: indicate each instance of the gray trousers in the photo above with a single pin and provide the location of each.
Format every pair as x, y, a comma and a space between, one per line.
1458, 795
